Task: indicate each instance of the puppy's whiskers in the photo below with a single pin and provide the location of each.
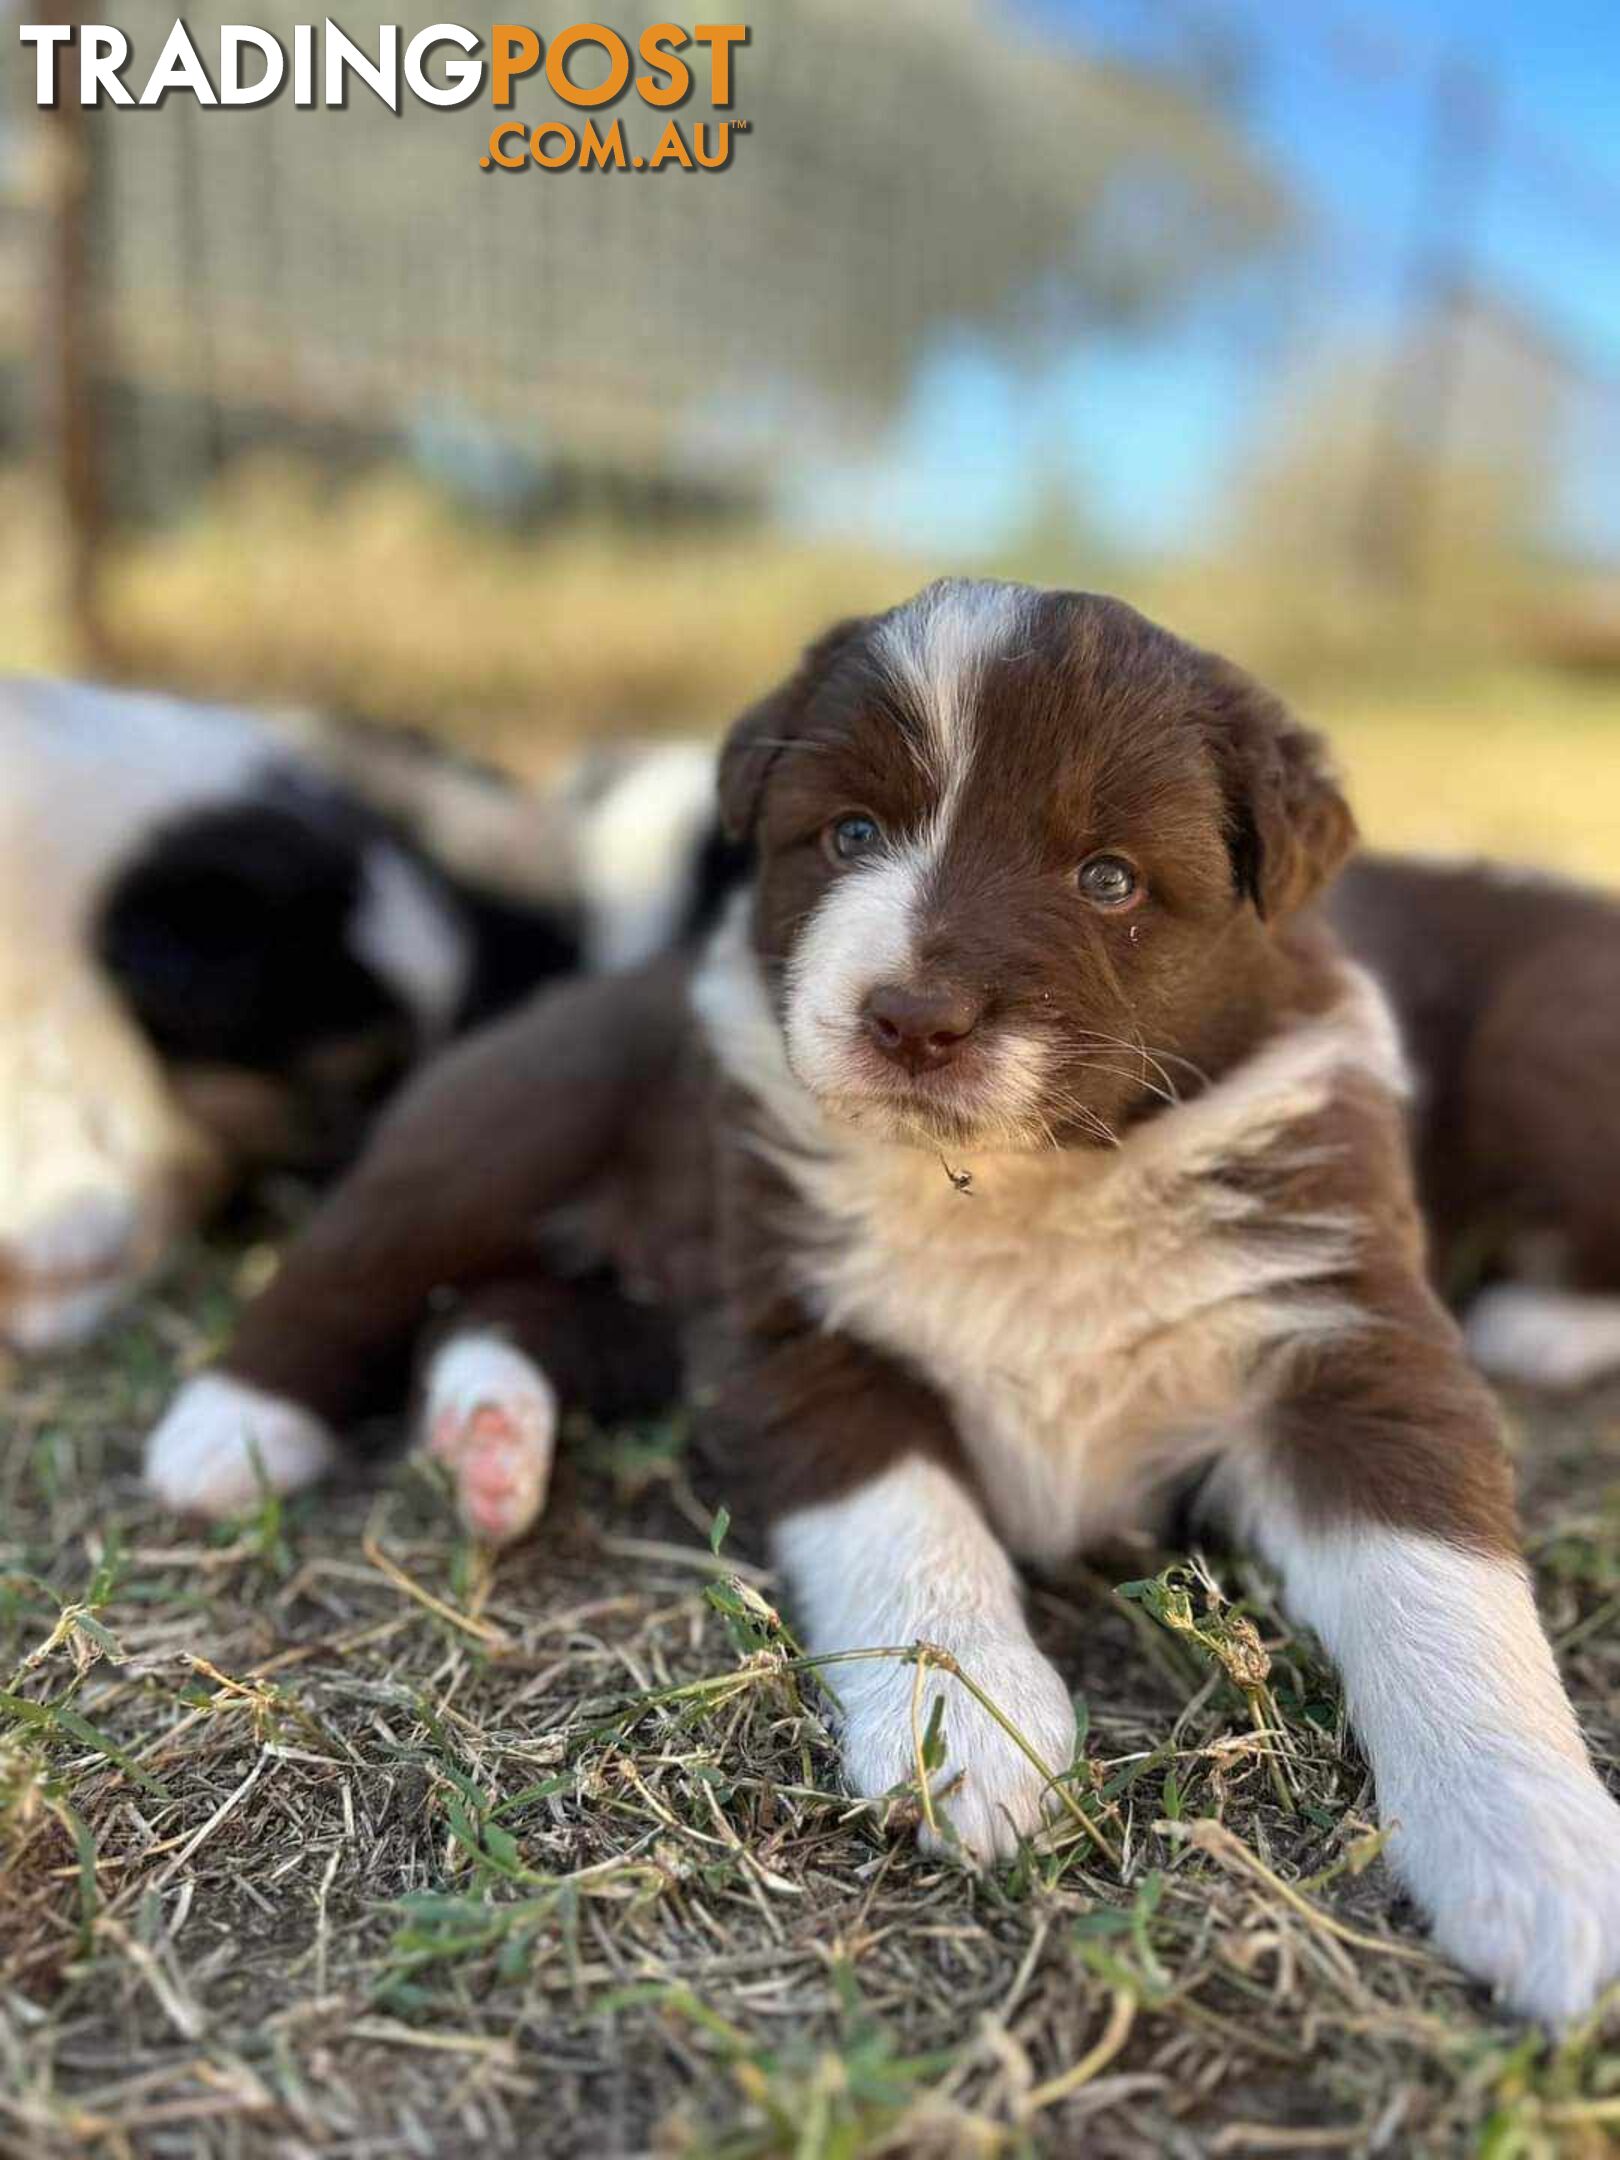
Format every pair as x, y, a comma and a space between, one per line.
1165, 1093
1065, 1104
1159, 1059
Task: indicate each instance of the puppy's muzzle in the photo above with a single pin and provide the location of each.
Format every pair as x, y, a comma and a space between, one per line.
920, 1030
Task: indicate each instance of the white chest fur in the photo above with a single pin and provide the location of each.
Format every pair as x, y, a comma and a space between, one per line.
1087, 1349
1097, 1320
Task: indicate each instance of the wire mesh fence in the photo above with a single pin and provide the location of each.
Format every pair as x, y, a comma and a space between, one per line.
359, 281
184, 285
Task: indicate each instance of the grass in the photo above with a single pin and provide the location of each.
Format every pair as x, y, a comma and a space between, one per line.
324, 1833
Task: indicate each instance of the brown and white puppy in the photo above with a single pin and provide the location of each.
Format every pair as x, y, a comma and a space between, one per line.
1507, 986
1021, 1154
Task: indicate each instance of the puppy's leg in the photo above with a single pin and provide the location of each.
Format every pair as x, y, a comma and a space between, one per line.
505, 1365
1539, 1131
883, 1545
452, 1190
1383, 1499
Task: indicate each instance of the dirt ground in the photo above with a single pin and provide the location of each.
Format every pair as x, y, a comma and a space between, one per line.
323, 1835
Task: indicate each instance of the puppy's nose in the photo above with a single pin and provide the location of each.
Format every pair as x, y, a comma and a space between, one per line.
920, 1029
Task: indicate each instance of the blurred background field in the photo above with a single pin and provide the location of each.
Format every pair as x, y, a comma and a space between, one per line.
1299, 328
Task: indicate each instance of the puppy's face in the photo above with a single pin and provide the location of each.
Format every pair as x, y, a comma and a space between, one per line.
1021, 858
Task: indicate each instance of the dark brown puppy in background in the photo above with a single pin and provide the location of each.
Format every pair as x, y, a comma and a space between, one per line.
1507, 986
1022, 1153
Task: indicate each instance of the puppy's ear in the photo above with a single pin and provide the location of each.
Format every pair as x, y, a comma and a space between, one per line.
758, 739
1288, 824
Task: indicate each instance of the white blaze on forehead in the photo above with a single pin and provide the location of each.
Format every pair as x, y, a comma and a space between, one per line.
864, 930
936, 649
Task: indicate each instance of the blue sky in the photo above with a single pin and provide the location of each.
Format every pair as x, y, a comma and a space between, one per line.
1337, 96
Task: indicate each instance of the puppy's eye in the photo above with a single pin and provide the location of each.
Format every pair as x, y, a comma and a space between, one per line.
853, 835
1109, 881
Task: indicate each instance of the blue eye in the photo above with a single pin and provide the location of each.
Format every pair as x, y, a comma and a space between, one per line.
848, 838
1109, 881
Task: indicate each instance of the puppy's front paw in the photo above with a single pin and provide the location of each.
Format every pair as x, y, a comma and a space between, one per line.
222, 1443
490, 1417
1521, 1879
987, 1788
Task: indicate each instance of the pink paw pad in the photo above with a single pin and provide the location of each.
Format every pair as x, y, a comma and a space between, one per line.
491, 1420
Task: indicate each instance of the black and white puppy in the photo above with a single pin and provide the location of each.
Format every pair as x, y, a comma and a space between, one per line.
224, 943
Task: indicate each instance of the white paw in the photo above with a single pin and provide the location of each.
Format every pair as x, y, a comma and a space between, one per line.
990, 1791
221, 1443
1543, 1337
1521, 1880
490, 1416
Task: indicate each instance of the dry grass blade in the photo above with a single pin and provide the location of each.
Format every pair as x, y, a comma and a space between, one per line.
1215, 1839
1115, 2033
480, 1630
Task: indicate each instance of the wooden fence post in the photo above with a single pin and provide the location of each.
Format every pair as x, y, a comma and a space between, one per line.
71, 368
